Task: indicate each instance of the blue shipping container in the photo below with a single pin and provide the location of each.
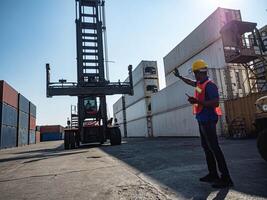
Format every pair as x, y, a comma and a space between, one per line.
51, 136
24, 104
8, 115
32, 109
23, 120
23, 136
8, 136
32, 137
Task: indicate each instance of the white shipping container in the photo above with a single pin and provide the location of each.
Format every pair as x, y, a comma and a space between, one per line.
171, 97
118, 106
145, 69
177, 122
145, 88
138, 128
119, 117
138, 110
204, 35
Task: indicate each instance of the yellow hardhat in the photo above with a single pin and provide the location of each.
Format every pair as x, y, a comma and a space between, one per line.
199, 65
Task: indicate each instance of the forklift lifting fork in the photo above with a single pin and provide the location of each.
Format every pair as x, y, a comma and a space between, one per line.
92, 85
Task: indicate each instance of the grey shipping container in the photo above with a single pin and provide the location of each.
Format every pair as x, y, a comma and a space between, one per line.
32, 109
23, 120
8, 136
24, 104
23, 136
8, 115
32, 137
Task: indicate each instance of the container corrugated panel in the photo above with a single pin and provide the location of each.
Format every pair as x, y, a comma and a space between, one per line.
8, 94
119, 117
32, 137
177, 122
51, 128
8, 136
143, 70
137, 128
204, 35
117, 106
23, 136
32, 109
243, 108
37, 136
8, 115
24, 104
51, 136
32, 123
145, 88
171, 97
138, 110
23, 120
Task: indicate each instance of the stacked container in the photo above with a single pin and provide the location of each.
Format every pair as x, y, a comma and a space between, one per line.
32, 124
23, 121
51, 133
37, 135
8, 115
172, 114
134, 112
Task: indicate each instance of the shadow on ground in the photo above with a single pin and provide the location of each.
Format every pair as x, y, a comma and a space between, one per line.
178, 163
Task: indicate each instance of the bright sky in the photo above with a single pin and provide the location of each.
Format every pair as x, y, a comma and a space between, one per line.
34, 32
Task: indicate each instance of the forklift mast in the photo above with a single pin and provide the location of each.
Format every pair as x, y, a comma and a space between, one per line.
92, 84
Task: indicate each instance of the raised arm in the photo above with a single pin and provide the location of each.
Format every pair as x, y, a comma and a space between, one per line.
186, 80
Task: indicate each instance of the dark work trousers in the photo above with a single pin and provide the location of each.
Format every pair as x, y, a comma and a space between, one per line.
213, 152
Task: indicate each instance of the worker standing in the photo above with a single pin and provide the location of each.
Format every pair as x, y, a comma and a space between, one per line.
206, 108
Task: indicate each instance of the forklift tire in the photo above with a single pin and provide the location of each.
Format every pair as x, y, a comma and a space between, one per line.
115, 136
66, 141
262, 144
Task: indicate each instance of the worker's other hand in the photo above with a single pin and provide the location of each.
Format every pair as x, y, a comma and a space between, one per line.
176, 72
192, 100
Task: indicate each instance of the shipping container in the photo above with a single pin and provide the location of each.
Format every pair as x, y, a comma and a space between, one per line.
139, 128
8, 115
118, 105
8, 136
32, 110
23, 121
52, 128
8, 95
138, 110
24, 104
37, 136
207, 33
23, 136
32, 125
145, 88
145, 69
171, 97
51, 136
176, 122
242, 110
32, 137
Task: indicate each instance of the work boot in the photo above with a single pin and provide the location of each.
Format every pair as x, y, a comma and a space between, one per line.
223, 182
210, 178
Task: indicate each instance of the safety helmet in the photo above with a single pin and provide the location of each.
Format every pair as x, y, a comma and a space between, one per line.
199, 65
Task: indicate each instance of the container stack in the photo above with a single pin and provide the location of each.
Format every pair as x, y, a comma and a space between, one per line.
32, 124
37, 135
8, 115
172, 114
23, 120
51, 133
134, 112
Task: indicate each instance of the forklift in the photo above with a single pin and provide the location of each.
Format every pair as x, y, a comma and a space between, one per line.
92, 86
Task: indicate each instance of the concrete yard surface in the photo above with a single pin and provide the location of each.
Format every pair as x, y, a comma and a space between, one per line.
160, 168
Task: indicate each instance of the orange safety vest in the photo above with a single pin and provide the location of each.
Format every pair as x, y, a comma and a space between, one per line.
200, 95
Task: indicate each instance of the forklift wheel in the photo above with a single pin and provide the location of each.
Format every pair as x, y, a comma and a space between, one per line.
262, 144
115, 136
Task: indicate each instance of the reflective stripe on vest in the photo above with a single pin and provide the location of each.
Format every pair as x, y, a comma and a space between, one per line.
200, 92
